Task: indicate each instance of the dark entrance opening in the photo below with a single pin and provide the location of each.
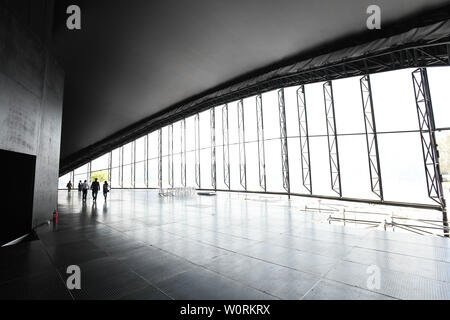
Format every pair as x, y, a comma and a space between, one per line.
16, 190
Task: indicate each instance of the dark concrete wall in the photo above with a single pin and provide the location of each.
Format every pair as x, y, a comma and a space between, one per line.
31, 95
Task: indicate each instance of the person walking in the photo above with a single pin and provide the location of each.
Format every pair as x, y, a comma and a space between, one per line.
105, 189
80, 186
85, 188
69, 186
95, 187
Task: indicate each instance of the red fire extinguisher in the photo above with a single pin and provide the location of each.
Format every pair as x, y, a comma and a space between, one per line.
55, 216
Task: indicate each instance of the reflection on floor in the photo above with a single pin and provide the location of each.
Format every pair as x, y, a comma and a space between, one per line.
137, 245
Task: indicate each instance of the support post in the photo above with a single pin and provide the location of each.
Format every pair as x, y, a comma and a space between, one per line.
109, 168
183, 152
241, 137
371, 137
170, 157
160, 158
226, 146
304, 139
333, 150
213, 148
260, 138
133, 164
284, 143
121, 167
428, 140
197, 151
146, 174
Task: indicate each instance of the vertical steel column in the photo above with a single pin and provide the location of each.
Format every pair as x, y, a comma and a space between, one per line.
170, 151
109, 167
133, 164
226, 146
160, 158
197, 150
371, 137
428, 141
304, 139
241, 137
212, 120
333, 151
183, 152
284, 143
146, 175
89, 173
121, 167
260, 139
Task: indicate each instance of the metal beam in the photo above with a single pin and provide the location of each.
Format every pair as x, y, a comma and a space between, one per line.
283, 141
428, 140
160, 158
333, 150
304, 139
226, 146
183, 151
170, 152
197, 150
121, 166
212, 120
133, 164
260, 139
146, 173
241, 137
371, 137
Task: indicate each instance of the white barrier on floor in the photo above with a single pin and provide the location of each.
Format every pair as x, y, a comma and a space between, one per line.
177, 192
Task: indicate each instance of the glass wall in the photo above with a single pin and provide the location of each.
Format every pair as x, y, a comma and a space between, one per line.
240, 160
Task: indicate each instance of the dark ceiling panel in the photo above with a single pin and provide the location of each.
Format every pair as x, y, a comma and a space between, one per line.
135, 58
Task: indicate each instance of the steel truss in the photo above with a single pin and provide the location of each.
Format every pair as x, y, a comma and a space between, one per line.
260, 138
428, 140
121, 167
304, 139
109, 169
333, 150
371, 137
212, 122
183, 151
146, 171
133, 164
226, 146
160, 158
170, 152
241, 137
197, 150
283, 141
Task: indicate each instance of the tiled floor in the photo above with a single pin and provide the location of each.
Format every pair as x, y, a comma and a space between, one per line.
137, 245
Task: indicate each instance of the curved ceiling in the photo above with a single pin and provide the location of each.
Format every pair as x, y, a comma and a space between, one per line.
134, 58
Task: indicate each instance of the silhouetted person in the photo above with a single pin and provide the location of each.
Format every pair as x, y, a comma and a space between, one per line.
85, 188
80, 185
69, 186
105, 189
95, 188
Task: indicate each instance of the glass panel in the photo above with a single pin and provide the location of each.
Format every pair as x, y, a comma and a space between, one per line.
439, 78
140, 176
348, 106
115, 178
127, 176
140, 149
100, 163
402, 167
393, 99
